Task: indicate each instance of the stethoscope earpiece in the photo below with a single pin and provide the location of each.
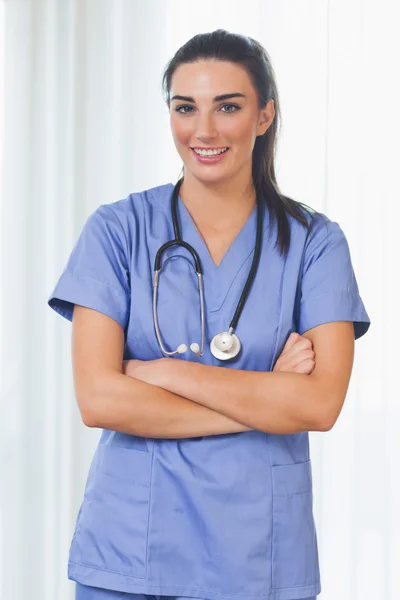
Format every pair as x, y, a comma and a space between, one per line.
195, 348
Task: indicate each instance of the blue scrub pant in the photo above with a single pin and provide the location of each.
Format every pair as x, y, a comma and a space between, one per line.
86, 592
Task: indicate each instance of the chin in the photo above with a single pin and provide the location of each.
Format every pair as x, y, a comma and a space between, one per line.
210, 175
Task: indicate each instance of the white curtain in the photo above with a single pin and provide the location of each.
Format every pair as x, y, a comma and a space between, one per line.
85, 124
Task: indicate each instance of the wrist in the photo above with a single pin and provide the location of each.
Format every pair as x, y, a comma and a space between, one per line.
167, 371
172, 373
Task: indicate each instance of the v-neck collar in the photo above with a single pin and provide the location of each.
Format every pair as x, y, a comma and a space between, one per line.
218, 279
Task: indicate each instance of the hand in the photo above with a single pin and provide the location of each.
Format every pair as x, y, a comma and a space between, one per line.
297, 356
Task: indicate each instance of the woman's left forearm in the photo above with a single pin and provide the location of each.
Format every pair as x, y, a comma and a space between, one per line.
274, 402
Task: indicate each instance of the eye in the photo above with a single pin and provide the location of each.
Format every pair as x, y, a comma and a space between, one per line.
186, 109
178, 109
234, 106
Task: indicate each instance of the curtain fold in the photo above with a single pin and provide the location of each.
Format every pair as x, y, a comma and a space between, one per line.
85, 124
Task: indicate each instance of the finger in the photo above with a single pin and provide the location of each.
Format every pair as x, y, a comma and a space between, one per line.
289, 361
298, 349
302, 344
291, 341
297, 357
296, 343
305, 367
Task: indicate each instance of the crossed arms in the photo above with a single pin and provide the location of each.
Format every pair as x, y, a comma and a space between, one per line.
171, 398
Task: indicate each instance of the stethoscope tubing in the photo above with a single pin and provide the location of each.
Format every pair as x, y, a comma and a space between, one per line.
199, 271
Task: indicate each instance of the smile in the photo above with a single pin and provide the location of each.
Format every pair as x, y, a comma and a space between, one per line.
211, 156
214, 152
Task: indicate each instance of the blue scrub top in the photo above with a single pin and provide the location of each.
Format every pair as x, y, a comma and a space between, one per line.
216, 517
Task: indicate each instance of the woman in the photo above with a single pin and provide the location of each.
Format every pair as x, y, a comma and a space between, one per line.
201, 483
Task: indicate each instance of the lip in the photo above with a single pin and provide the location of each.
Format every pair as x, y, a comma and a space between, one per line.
209, 159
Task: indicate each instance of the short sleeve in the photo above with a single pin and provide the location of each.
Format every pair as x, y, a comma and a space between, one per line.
97, 273
329, 289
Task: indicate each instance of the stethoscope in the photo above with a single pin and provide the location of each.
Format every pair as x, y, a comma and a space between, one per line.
225, 345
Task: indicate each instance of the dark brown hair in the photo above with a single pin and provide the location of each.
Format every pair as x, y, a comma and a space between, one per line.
250, 54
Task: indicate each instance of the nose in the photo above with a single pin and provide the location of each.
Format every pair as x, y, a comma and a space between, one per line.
205, 130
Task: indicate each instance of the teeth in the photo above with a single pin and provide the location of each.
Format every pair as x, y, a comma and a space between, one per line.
210, 152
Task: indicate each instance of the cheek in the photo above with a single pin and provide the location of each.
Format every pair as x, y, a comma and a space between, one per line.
243, 131
180, 129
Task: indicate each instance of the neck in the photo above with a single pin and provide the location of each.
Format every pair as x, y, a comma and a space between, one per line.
221, 203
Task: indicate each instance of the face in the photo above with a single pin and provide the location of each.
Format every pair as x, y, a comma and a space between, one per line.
214, 108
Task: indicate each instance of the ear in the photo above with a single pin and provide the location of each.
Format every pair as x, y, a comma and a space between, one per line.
266, 117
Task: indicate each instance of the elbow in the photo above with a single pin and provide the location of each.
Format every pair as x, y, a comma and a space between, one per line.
88, 419
89, 410
93, 402
328, 415
325, 424
87, 415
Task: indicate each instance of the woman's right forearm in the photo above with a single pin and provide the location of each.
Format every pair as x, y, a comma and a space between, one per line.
125, 404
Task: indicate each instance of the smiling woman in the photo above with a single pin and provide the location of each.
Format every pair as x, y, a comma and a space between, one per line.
208, 125
201, 485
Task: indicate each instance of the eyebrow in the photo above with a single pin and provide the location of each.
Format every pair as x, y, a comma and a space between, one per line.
216, 99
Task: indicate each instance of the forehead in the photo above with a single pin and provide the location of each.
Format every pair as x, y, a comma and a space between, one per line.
210, 78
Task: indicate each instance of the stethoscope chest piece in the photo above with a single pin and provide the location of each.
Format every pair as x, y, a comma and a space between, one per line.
225, 346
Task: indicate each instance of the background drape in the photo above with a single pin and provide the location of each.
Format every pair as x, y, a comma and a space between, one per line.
84, 124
